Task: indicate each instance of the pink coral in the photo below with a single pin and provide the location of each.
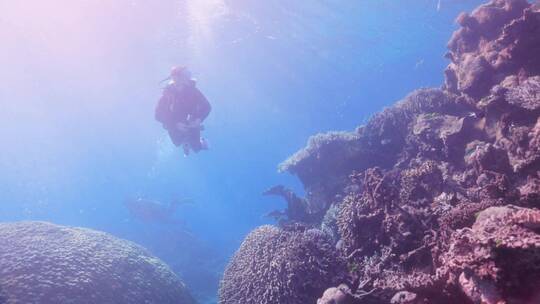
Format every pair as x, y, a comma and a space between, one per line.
424, 190
496, 40
498, 258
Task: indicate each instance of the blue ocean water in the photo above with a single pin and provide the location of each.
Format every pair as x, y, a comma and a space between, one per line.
79, 81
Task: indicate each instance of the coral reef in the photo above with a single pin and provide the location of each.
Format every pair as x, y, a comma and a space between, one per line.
325, 165
498, 259
434, 199
45, 263
274, 265
497, 40
321, 172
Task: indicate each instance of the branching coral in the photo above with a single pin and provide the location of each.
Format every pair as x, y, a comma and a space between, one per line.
274, 265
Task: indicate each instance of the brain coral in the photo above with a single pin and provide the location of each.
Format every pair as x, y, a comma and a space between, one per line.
46, 263
274, 265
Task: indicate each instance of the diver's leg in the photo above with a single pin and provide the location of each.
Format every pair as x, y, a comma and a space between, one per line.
180, 139
185, 147
194, 139
176, 138
204, 144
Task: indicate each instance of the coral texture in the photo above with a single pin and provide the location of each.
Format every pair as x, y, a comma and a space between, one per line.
274, 265
325, 165
498, 259
45, 263
495, 41
435, 199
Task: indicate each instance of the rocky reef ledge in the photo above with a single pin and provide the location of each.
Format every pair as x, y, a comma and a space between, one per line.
434, 200
50, 264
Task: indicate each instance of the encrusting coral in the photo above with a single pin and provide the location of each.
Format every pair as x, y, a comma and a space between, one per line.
497, 40
498, 259
434, 199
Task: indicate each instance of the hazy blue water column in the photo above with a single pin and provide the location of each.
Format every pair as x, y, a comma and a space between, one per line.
79, 82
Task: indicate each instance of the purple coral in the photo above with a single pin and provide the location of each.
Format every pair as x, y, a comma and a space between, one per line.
498, 39
274, 265
498, 258
525, 94
410, 183
45, 263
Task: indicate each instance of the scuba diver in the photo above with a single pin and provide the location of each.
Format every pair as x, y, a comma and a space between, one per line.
181, 109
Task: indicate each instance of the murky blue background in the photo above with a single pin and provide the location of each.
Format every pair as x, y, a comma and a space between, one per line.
79, 81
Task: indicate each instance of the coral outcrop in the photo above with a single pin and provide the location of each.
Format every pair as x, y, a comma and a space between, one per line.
497, 40
274, 265
498, 259
435, 199
337, 295
46, 263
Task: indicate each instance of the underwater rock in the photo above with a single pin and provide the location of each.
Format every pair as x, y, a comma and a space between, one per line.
498, 258
387, 233
337, 295
46, 263
274, 265
343, 294
498, 39
444, 134
325, 165
404, 297
524, 94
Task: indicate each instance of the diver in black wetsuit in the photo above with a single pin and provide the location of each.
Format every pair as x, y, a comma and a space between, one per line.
181, 109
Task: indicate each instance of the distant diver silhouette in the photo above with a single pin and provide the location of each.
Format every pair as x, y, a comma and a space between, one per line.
152, 211
181, 109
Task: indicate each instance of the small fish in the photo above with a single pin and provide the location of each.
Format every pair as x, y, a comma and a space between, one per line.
439, 5
152, 211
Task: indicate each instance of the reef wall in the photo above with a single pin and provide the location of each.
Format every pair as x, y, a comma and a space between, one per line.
434, 200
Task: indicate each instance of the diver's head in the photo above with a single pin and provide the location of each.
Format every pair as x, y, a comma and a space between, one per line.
180, 74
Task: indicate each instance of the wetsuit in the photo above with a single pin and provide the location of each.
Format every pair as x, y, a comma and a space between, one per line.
182, 105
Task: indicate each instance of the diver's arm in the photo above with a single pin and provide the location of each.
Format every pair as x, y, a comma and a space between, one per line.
203, 106
163, 108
